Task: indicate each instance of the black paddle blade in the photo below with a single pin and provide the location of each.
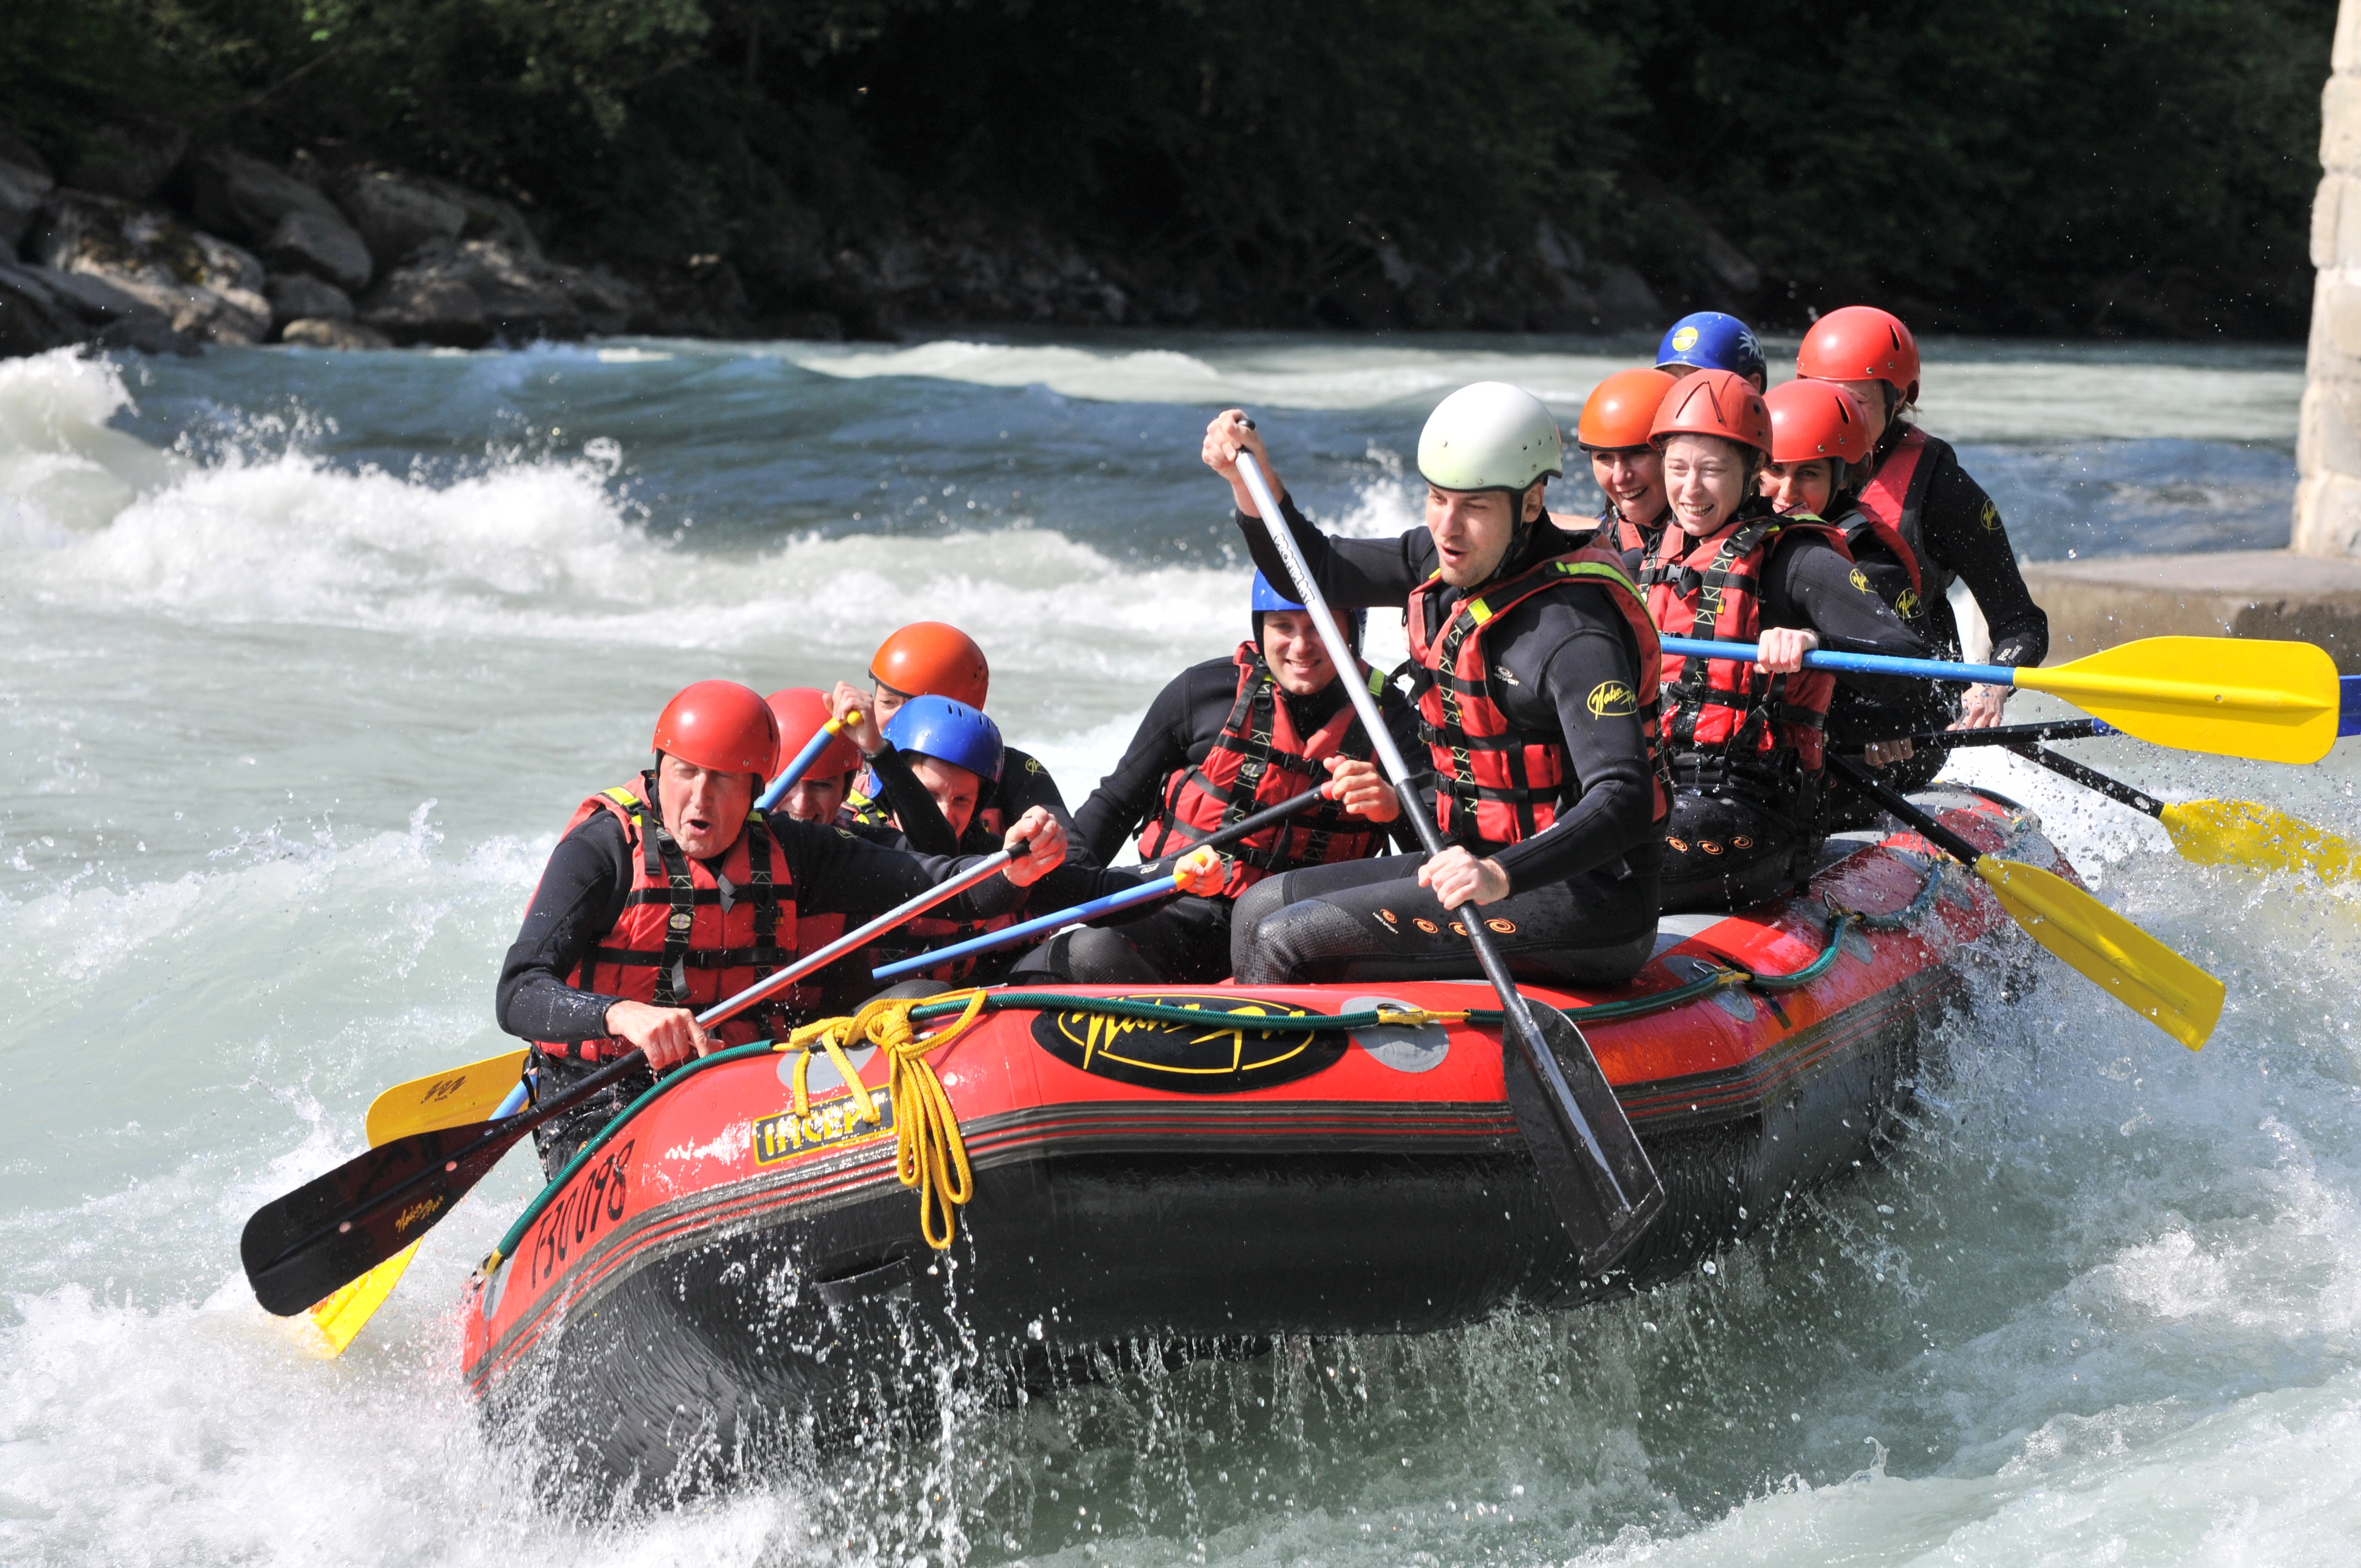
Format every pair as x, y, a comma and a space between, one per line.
329, 1231
1598, 1177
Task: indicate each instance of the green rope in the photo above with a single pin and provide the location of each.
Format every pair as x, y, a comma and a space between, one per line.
1159, 1012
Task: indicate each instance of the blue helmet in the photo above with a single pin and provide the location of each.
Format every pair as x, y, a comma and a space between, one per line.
947, 731
1264, 596
1709, 340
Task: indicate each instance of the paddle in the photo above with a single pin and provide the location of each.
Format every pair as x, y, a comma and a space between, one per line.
1598, 1177
819, 742
451, 1098
2219, 832
2275, 702
331, 1229
1042, 926
2140, 972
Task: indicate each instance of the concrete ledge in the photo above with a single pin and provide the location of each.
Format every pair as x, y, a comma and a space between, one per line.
2236, 593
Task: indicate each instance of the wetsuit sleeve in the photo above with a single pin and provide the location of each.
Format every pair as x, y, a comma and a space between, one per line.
921, 820
1353, 573
1401, 723
1607, 755
838, 872
1025, 784
1810, 585
1131, 794
1964, 532
578, 900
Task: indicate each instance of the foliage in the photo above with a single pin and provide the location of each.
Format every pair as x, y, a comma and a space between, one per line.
2051, 165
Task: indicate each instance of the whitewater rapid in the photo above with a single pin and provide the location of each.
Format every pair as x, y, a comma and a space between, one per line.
311, 655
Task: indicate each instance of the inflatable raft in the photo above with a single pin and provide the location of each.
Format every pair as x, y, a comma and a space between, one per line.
724, 1279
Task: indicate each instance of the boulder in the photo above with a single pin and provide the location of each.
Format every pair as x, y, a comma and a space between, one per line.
466, 294
128, 160
296, 226
489, 217
322, 244
318, 332
202, 283
299, 296
33, 320
395, 213
25, 183
42, 309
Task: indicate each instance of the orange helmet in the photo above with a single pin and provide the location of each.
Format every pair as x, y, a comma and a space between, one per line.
1713, 402
1621, 410
1862, 343
927, 658
801, 711
1816, 419
722, 726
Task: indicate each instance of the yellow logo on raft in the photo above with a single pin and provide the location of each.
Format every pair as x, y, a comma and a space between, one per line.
835, 1123
1612, 699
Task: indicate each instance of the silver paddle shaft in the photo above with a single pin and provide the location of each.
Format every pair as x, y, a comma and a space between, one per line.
1520, 1017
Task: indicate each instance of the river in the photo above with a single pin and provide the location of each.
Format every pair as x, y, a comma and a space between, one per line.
310, 656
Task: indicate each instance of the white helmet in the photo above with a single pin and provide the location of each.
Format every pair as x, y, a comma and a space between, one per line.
1489, 436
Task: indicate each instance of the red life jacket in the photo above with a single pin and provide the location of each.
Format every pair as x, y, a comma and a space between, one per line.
1627, 536
1257, 761
1717, 705
1494, 782
675, 946
1893, 493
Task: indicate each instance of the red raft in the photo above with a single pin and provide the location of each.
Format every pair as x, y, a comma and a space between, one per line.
724, 1280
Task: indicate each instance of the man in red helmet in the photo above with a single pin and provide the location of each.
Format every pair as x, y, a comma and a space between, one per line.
1918, 523
669, 893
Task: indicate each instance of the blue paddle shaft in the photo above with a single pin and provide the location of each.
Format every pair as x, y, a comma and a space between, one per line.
1869, 663
819, 742
2348, 706
1144, 893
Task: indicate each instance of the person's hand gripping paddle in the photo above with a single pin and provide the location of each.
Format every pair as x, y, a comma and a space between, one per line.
1598, 1177
331, 1230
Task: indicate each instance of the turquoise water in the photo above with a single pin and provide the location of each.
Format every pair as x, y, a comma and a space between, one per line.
312, 655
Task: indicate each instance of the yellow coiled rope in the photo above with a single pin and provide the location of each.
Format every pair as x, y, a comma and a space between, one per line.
928, 1152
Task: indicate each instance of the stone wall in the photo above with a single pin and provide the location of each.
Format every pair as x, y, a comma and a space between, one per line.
2328, 440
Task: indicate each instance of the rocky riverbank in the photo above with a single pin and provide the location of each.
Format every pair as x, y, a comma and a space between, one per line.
148, 243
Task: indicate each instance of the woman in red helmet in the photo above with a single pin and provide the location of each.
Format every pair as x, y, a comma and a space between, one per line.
1745, 739
1921, 523
1629, 473
820, 794
669, 892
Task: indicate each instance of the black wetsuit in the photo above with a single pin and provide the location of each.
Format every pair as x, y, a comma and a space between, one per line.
1186, 941
1957, 533
1743, 833
1582, 902
581, 897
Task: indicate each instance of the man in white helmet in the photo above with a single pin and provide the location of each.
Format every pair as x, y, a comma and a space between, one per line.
1537, 672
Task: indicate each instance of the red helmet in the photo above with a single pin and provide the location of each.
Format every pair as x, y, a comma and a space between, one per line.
801, 711
1862, 343
1713, 402
1621, 410
927, 658
1816, 419
722, 726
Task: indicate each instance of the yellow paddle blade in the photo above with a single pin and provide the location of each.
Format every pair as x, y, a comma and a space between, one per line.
2234, 696
2245, 833
2140, 972
333, 1323
449, 1099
